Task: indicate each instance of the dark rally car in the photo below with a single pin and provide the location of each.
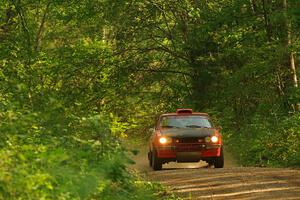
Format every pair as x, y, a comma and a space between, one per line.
185, 136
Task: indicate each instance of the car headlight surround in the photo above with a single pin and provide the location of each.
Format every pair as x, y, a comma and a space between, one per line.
165, 140
207, 139
213, 139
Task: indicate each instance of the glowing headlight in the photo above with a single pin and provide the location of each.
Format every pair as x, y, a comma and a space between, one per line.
164, 140
214, 139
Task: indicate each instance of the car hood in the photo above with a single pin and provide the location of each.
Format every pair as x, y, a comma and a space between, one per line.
187, 132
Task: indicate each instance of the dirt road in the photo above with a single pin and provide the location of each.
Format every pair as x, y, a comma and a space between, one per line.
195, 181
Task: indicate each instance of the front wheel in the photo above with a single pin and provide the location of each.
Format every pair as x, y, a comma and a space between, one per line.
156, 162
219, 162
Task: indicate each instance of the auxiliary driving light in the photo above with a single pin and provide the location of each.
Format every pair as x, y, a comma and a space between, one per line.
207, 139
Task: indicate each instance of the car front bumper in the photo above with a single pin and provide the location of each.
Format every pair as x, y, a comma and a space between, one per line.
189, 150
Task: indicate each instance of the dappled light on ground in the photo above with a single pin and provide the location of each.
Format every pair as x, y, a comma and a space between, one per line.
232, 183
196, 181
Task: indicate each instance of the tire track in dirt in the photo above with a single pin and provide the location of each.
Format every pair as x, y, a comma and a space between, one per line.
231, 183
195, 181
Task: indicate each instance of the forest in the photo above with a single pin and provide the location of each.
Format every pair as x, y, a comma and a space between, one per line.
78, 78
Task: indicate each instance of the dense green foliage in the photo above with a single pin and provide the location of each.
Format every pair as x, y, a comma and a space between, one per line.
60, 130
78, 77
233, 59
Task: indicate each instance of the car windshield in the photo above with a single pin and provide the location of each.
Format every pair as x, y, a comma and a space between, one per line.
185, 122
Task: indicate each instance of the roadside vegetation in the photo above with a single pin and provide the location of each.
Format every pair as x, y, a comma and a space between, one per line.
79, 77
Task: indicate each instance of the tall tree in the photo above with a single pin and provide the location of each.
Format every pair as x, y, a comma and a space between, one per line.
289, 44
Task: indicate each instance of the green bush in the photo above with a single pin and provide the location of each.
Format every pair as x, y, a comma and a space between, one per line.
78, 158
272, 143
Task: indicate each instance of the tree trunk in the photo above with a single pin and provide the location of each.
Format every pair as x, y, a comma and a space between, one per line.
292, 63
268, 26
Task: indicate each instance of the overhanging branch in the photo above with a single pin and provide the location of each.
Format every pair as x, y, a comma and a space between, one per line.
164, 71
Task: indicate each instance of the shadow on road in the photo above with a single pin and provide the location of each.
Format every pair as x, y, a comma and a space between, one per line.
196, 181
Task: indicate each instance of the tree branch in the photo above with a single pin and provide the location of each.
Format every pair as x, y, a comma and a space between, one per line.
163, 71
39, 32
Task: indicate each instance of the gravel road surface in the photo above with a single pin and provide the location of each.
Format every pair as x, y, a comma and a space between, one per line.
196, 181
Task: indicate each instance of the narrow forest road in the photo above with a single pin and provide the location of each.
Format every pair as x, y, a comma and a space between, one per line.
195, 181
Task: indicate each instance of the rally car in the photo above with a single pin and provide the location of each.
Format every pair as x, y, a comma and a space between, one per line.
185, 136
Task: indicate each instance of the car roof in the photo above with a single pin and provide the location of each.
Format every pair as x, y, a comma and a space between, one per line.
185, 114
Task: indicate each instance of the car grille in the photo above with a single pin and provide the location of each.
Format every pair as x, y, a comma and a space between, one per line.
189, 140
189, 147
189, 144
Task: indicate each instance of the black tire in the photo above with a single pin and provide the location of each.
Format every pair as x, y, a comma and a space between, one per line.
210, 163
150, 158
156, 162
219, 162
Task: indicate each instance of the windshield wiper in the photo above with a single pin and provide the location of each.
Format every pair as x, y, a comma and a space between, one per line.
195, 126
